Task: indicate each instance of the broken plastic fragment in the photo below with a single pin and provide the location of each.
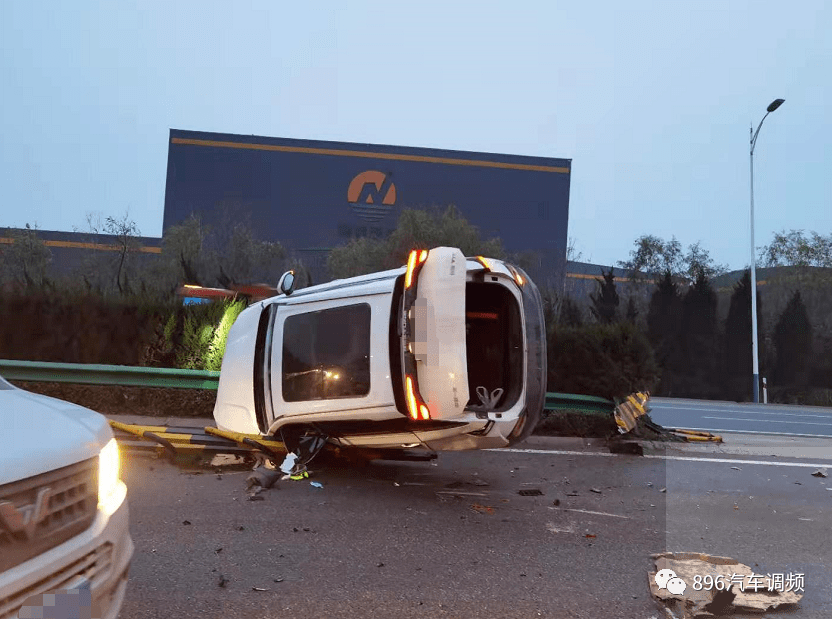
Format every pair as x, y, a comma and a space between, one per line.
288, 463
316, 484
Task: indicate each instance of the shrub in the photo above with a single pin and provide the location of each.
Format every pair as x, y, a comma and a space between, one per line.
609, 361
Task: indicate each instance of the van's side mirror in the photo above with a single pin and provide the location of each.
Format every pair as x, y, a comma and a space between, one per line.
287, 283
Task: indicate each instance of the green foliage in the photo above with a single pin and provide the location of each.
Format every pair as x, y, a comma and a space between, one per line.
228, 254
605, 301
698, 261
571, 314
631, 314
416, 229
653, 254
794, 248
606, 360
793, 341
216, 349
738, 352
199, 343
700, 341
25, 260
664, 323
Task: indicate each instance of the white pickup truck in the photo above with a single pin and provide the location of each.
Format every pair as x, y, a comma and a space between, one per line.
65, 545
445, 353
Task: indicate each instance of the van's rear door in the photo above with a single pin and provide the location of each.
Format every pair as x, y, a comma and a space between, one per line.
439, 333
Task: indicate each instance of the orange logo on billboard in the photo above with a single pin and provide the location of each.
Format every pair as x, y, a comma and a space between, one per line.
371, 195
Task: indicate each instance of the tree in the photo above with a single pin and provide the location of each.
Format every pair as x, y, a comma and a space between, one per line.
26, 258
114, 268
794, 248
698, 260
631, 314
653, 255
605, 301
700, 340
416, 229
605, 360
664, 329
793, 341
738, 350
193, 253
570, 313
126, 234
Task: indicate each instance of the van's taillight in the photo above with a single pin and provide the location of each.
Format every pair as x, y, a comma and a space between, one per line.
415, 406
484, 262
517, 277
415, 260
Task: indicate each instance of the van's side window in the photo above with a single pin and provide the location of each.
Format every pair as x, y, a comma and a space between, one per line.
326, 354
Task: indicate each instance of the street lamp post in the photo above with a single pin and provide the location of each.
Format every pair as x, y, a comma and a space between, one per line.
754, 348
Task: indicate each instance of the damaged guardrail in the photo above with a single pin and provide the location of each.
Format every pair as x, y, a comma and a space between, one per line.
630, 413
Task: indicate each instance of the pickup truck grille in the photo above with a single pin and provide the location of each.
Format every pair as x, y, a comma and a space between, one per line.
95, 567
41, 512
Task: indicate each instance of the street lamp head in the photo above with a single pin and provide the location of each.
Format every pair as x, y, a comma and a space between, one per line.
774, 105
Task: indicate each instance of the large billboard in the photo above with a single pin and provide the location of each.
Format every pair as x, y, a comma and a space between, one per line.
314, 195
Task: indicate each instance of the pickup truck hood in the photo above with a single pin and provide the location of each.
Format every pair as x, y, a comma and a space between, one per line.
40, 434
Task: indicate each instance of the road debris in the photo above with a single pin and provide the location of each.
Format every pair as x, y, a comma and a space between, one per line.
316, 484
820, 473
278, 579
256, 497
482, 509
556, 502
736, 468
262, 477
681, 582
530, 492
186, 522
227, 460
663, 490
553, 528
288, 463
258, 589
222, 581
595, 490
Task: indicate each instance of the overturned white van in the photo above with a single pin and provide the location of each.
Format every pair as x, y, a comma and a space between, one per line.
445, 353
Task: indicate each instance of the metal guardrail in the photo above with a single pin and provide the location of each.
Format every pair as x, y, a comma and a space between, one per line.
583, 403
132, 376
94, 374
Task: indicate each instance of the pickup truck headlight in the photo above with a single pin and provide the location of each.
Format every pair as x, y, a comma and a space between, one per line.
111, 490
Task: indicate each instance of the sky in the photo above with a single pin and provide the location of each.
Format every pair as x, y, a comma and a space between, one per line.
652, 101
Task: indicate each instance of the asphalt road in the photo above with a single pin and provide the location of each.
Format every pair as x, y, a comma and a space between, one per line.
774, 419
455, 539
